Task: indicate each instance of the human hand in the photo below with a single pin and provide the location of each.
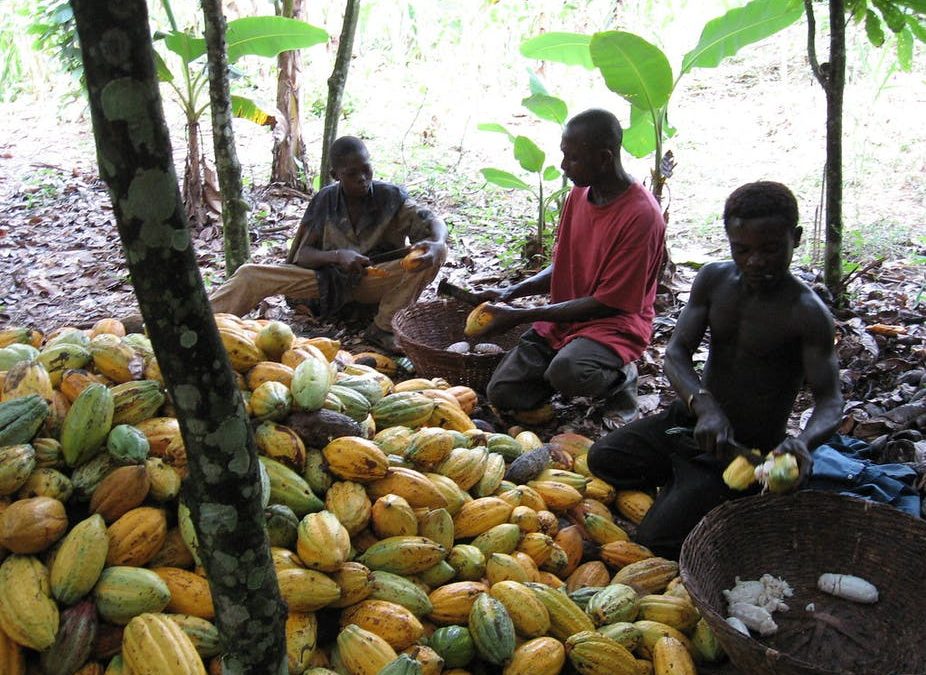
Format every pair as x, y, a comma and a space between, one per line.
350, 260
494, 319
496, 294
798, 448
423, 255
713, 432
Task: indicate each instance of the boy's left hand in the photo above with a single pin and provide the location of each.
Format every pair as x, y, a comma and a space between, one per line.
798, 448
434, 253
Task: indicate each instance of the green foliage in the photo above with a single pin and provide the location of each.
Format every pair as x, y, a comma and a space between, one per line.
43, 187
56, 33
905, 19
532, 159
43, 26
639, 71
265, 36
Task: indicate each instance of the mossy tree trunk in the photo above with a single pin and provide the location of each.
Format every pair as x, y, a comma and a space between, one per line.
289, 146
222, 490
234, 208
336, 84
832, 77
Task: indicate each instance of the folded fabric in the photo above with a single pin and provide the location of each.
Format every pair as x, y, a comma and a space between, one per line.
843, 465
335, 289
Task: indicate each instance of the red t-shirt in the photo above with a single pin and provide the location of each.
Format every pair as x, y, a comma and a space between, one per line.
612, 253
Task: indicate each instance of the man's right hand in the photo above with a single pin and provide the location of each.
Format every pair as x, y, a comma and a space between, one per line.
351, 261
713, 431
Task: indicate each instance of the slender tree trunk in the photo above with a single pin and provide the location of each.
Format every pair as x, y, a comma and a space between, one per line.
192, 177
289, 147
336, 84
234, 208
222, 490
832, 77
834, 100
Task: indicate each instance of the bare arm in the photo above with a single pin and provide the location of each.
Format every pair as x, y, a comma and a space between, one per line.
821, 373
580, 309
538, 284
436, 244
713, 429
311, 257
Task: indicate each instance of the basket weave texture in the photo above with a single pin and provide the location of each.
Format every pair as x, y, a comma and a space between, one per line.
797, 538
425, 329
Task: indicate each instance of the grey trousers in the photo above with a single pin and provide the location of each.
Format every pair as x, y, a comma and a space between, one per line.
532, 371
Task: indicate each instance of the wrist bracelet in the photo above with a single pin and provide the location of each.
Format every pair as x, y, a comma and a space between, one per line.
691, 398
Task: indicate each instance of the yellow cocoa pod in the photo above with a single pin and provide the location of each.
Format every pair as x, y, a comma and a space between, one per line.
530, 616
480, 515
153, 643
356, 584
306, 590
451, 603
390, 621
632, 504
322, 542
362, 652
274, 338
189, 592
349, 502
356, 459
301, 640
115, 359
739, 474
478, 320
391, 516
540, 656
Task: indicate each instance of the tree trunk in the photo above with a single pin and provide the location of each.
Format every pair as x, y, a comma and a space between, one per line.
832, 77
336, 84
192, 177
136, 162
289, 146
234, 208
832, 273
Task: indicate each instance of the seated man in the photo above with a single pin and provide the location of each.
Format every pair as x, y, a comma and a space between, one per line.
346, 224
602, 284
769, 334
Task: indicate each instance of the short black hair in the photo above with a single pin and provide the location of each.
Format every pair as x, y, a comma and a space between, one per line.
600, 127
344, 147
761, 199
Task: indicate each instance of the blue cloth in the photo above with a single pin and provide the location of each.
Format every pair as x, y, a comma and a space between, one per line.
843, 465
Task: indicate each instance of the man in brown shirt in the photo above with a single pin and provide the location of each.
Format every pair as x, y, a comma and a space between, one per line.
344, 225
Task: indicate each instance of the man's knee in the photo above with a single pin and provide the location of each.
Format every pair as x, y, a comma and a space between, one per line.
503, 395
571, 377
243, 273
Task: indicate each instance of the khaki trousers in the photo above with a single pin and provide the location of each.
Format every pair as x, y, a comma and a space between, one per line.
252, 283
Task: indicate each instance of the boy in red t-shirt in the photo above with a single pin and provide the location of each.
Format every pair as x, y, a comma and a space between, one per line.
601, 282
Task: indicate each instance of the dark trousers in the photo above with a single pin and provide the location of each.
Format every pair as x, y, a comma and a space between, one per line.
641, 456
532, 371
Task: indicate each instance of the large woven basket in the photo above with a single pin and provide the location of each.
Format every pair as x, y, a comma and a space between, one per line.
797, 538
425, 329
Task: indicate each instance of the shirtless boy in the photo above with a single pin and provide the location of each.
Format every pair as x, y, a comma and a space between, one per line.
769, 335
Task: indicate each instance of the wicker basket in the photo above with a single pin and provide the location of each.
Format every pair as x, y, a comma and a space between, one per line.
797, 538
425, 329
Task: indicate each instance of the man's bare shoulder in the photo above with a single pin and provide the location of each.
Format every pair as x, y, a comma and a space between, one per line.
714, 276
809, 305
